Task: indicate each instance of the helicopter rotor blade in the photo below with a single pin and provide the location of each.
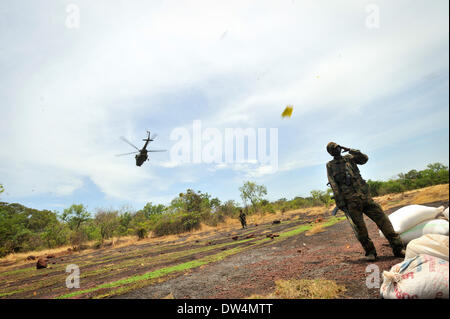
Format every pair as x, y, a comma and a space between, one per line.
128, 142
157, 151
127, 153
153, 136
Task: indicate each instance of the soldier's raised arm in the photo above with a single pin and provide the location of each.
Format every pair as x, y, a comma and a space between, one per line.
358, 157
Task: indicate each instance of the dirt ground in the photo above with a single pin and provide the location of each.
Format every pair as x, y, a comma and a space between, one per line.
219, 264
334, 254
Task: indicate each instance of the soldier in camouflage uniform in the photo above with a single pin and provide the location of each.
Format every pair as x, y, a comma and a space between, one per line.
243, 218
351, 194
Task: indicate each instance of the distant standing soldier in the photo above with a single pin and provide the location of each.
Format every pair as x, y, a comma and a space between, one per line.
352, 196
243, 218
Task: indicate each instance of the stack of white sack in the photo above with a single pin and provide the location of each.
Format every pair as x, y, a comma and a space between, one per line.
431, 244
421, 277
414, 221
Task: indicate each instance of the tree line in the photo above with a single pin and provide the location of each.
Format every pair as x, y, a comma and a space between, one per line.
434, 174
25, 229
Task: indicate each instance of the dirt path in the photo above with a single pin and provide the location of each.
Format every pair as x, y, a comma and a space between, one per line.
334, 254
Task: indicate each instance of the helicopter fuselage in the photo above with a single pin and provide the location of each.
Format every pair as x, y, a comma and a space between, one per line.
141, 158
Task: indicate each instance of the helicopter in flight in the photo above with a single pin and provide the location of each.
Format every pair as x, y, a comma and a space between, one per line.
141, 154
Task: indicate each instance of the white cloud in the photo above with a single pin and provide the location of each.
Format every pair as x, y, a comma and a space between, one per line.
64, 114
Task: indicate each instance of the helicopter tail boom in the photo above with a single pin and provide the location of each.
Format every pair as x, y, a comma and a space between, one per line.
148, 139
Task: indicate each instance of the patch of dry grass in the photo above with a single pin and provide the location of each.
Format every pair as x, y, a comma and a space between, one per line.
417, 196
169, 296
21, 258
304, 289
267, 218
316, 229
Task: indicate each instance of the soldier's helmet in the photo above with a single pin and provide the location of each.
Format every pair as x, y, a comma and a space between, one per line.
333, 149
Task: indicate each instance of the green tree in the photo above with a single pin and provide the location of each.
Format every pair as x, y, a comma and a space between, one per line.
13, 231
229, 208
150, 209
39, 219
75, 216
374, 187
124, 223
55, 234
107, 222
253, 193
215, 203
437, 167
323, 197
140, 224
192, 201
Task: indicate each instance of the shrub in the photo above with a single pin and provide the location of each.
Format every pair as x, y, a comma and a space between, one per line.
177, 223
78, 237
228, 209
141, 232
215, 219
268, 208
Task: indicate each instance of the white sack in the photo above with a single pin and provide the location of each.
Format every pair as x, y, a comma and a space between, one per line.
430, 244
409, 216
422, 277
435, 226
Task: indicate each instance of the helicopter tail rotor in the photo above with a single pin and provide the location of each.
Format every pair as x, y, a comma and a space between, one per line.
150, 138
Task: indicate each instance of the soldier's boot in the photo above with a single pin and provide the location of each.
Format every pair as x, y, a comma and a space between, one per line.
371, 257
399, 253
369, 247
396, 244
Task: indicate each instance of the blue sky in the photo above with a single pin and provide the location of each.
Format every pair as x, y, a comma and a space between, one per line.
69, 93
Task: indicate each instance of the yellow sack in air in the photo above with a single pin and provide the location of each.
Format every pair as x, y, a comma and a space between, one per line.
287, 111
